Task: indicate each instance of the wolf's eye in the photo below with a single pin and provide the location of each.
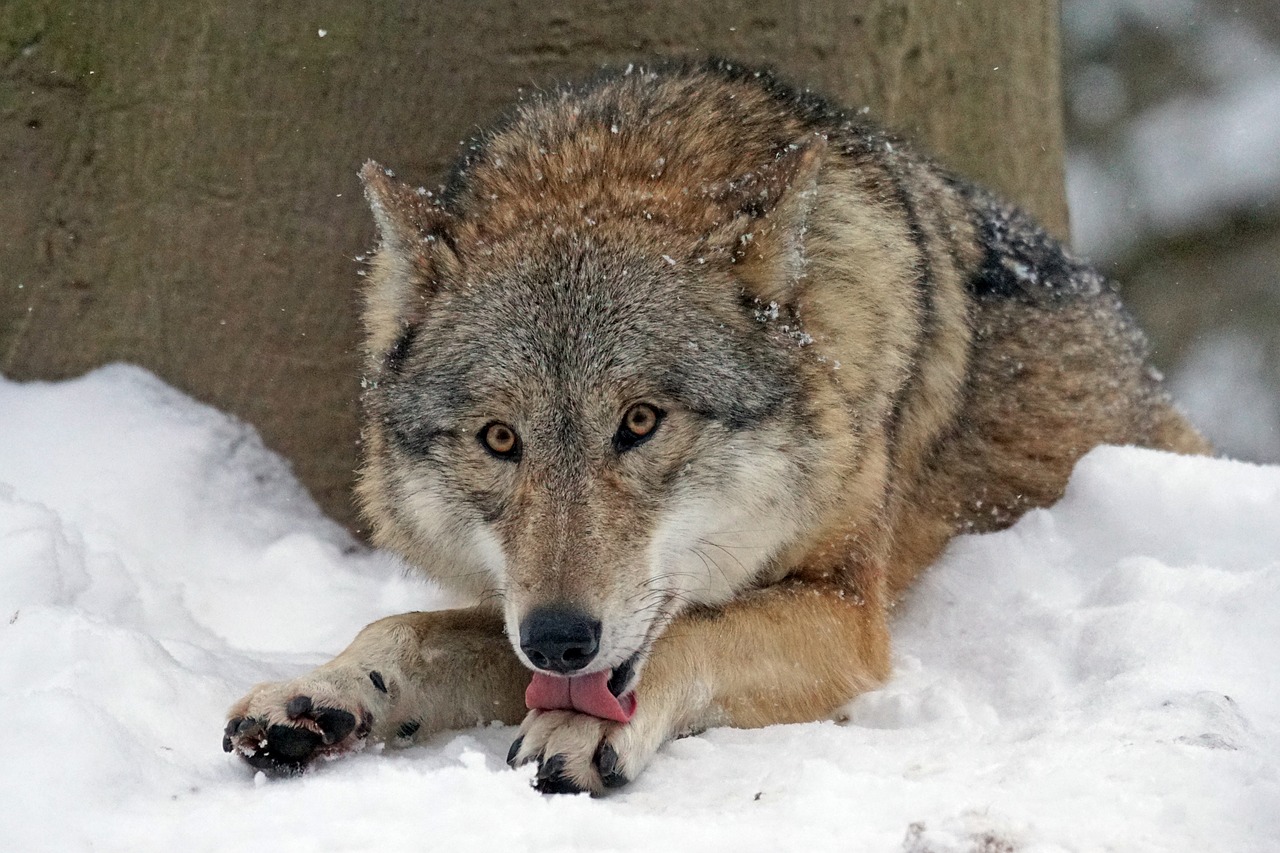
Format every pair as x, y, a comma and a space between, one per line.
500, 440
638, 424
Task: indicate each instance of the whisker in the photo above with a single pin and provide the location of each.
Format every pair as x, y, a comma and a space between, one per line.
723, 575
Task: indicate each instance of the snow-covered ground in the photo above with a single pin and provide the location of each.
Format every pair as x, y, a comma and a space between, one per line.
1103, 676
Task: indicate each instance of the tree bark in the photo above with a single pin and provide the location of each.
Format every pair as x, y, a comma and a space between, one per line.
179, 176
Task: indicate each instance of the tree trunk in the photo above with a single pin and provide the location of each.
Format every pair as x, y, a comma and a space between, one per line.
179, 176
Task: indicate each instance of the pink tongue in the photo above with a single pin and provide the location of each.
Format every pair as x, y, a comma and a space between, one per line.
588, 694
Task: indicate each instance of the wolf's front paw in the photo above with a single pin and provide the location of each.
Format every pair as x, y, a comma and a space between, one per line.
576, 752
280, 728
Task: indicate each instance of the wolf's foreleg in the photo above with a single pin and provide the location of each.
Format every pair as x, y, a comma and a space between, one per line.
402, 677
794, 652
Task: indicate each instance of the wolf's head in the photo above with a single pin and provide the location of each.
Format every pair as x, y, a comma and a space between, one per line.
589, 405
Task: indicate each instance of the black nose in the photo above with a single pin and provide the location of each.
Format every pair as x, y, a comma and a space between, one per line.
559, 639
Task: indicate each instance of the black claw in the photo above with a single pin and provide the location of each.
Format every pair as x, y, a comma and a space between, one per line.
514, 751
298, 706
335, 723
558, 785
553, 766
246, 725
551, 778
614, 780
606, 758
408, 728
376, 678
607, 764
226, 743
232, 726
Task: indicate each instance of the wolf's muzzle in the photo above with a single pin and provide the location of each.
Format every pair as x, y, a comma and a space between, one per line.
559, 639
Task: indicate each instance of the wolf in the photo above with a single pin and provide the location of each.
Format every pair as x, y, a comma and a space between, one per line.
682, 377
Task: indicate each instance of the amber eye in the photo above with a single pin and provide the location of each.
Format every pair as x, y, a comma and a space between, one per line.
638, 424
500, 440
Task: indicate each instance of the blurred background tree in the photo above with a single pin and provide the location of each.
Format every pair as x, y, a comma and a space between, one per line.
1173, 178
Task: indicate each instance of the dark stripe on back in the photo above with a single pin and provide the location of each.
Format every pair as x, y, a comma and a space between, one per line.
394, 360
1020, 260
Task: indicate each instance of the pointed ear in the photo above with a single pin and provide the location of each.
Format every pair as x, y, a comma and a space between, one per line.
766, 213
416, 256
406, 217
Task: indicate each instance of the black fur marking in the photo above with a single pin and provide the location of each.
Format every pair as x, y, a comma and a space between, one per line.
491, 504
394, 360
376, 678
754, 207
703, 613
1020, 260
444, 235
993, 278
414, 438
408, 729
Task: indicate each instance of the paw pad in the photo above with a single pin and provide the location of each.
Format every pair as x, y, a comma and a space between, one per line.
285, 749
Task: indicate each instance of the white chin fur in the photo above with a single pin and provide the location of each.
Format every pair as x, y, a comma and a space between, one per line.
460, 554
711, 546
704, 551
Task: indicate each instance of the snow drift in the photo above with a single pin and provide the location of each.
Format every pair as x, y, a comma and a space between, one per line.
1102, 675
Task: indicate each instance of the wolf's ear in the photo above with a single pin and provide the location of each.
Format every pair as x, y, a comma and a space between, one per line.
766, 214
416, 256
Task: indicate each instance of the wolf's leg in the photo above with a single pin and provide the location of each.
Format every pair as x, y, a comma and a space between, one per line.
402, 677
791, 653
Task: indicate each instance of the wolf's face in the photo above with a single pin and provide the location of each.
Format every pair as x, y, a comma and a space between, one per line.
597, 429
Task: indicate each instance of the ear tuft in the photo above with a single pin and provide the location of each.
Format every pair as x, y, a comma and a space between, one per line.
416, 257
766, 212
405, 216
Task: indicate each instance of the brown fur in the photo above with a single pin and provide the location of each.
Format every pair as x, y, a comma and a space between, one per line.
900, 357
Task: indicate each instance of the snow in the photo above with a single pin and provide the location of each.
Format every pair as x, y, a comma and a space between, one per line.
1101, 676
